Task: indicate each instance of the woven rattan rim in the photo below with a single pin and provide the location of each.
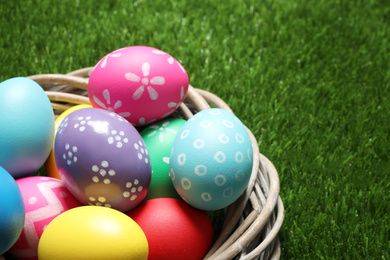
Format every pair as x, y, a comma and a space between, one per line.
252, 223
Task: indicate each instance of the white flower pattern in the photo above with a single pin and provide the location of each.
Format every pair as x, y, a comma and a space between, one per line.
160, 130
146, 82
118, 103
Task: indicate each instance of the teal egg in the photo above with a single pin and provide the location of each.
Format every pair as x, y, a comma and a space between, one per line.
211, 160
26, 126
158, 139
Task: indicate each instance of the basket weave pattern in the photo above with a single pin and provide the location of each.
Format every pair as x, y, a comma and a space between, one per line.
252, 223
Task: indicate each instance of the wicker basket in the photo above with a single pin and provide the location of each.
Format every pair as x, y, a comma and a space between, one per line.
252, 222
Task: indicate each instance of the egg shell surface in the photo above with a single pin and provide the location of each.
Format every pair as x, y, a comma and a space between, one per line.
92, 232
12, 211
44, 198
158, 138
102, 159
26, 126
50, 163
211, 160
140, 83
174, 229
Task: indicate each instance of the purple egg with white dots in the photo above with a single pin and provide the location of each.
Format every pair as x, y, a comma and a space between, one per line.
102, 159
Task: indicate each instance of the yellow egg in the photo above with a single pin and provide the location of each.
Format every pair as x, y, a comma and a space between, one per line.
93, 232
50, 164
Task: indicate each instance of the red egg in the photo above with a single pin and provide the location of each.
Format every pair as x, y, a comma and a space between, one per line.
174, 229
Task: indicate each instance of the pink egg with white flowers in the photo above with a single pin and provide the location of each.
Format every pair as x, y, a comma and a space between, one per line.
44, 198
140, 83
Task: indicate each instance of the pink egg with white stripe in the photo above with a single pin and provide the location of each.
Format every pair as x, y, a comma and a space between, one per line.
45, 198
140, 83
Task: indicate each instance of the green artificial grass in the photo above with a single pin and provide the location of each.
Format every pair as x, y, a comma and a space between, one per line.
311, 79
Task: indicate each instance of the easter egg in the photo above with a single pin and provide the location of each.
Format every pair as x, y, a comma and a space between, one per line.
50, 163
211, 160
174, 229
158, 138
102, 159
67, 112
44, 198
51, 167
12, 211
26, 126
140, 83
91, 232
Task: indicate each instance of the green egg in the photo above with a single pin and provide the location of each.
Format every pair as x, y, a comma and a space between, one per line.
158, 139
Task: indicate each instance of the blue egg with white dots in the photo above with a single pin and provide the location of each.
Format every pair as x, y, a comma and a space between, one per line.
211, 159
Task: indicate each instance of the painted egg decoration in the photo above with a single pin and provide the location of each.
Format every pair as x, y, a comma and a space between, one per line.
211, 160
26, 126
102, 159
44, 198
174, 229
12, 211
50, 163
91, 232
140, 83
158, 138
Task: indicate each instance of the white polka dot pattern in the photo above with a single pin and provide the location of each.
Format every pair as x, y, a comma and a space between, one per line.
211, 159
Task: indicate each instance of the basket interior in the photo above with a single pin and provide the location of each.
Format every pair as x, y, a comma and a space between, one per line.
251, 224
